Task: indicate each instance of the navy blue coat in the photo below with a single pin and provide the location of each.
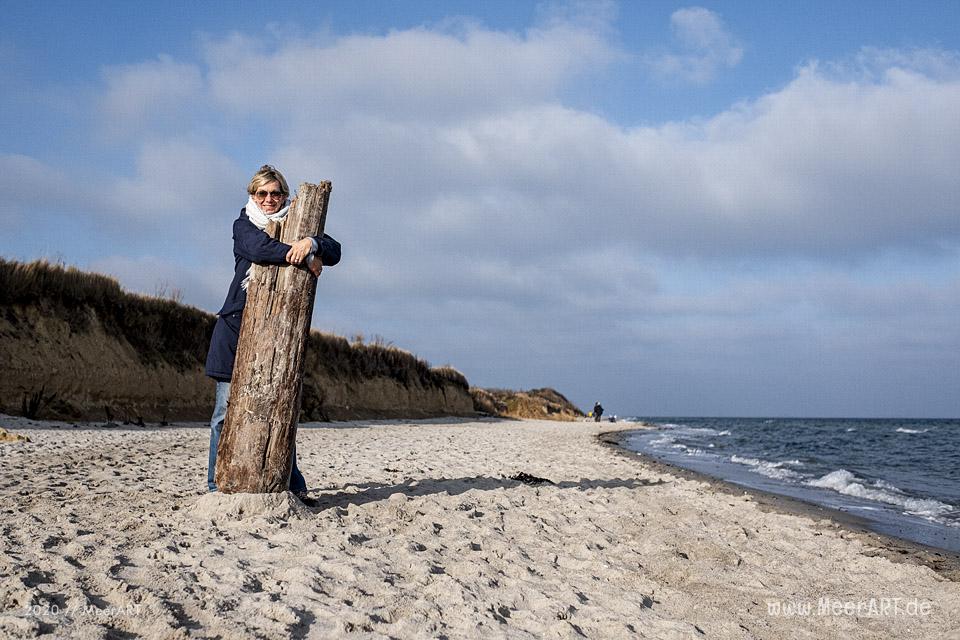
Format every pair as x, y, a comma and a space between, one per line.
250, 245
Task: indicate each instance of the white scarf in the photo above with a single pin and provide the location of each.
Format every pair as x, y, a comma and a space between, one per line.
260, 220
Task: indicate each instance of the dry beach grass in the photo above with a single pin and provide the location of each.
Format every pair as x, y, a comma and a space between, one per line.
420, 532
75, 345
161, 328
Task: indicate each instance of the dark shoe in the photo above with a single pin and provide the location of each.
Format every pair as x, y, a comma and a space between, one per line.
313, 503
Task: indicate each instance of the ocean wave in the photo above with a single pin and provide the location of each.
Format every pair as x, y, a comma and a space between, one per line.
883, 484
905, 430
695, 432
844, 482
724, 433
766, 468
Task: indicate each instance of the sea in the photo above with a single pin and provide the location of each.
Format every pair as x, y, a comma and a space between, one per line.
901, 477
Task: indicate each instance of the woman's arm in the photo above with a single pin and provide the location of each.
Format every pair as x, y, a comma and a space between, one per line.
328, 249
324, 247
255, 245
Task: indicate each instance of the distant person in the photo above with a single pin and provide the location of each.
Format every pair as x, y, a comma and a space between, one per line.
267, 201
597, 411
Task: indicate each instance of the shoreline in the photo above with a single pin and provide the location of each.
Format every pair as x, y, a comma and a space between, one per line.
943, 561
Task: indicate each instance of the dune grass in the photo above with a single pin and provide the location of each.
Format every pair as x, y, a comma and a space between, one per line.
535, 403
164, 330
159, 330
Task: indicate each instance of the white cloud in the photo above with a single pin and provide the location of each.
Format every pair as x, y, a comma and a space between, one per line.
476, 141
29, 185
181, 183
705, 47
417, 74
502, 185
872, 62
485, 221
149, 95
459, 133
821, 168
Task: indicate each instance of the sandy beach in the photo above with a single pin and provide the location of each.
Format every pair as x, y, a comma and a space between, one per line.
421, 532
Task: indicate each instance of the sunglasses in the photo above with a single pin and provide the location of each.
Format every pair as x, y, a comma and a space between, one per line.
261, 194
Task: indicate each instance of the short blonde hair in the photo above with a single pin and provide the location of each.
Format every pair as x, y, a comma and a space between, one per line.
265, 176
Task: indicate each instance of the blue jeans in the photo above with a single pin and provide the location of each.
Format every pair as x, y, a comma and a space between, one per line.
297, 482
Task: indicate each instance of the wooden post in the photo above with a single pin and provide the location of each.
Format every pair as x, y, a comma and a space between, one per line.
260, 428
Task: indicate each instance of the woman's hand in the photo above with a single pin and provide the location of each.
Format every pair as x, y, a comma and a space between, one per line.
299, 250
315, 265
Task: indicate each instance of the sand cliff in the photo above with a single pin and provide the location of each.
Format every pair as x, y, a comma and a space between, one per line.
73, 345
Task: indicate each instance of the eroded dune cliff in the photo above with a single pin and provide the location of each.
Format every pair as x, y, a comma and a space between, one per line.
74, 345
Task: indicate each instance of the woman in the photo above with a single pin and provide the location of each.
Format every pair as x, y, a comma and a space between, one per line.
268, 200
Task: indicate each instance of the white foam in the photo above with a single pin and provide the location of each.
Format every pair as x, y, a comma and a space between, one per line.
904, 430
766, 468
724, 433
706, 430
844, 482
883, 484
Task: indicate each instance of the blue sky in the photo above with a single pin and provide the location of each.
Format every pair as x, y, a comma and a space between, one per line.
743, 208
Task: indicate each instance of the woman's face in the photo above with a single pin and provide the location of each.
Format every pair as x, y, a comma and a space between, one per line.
269, 197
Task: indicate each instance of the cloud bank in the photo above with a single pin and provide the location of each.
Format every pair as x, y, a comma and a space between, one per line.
482, 217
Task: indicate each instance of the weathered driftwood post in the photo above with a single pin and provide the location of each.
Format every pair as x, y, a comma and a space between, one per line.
260, 428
